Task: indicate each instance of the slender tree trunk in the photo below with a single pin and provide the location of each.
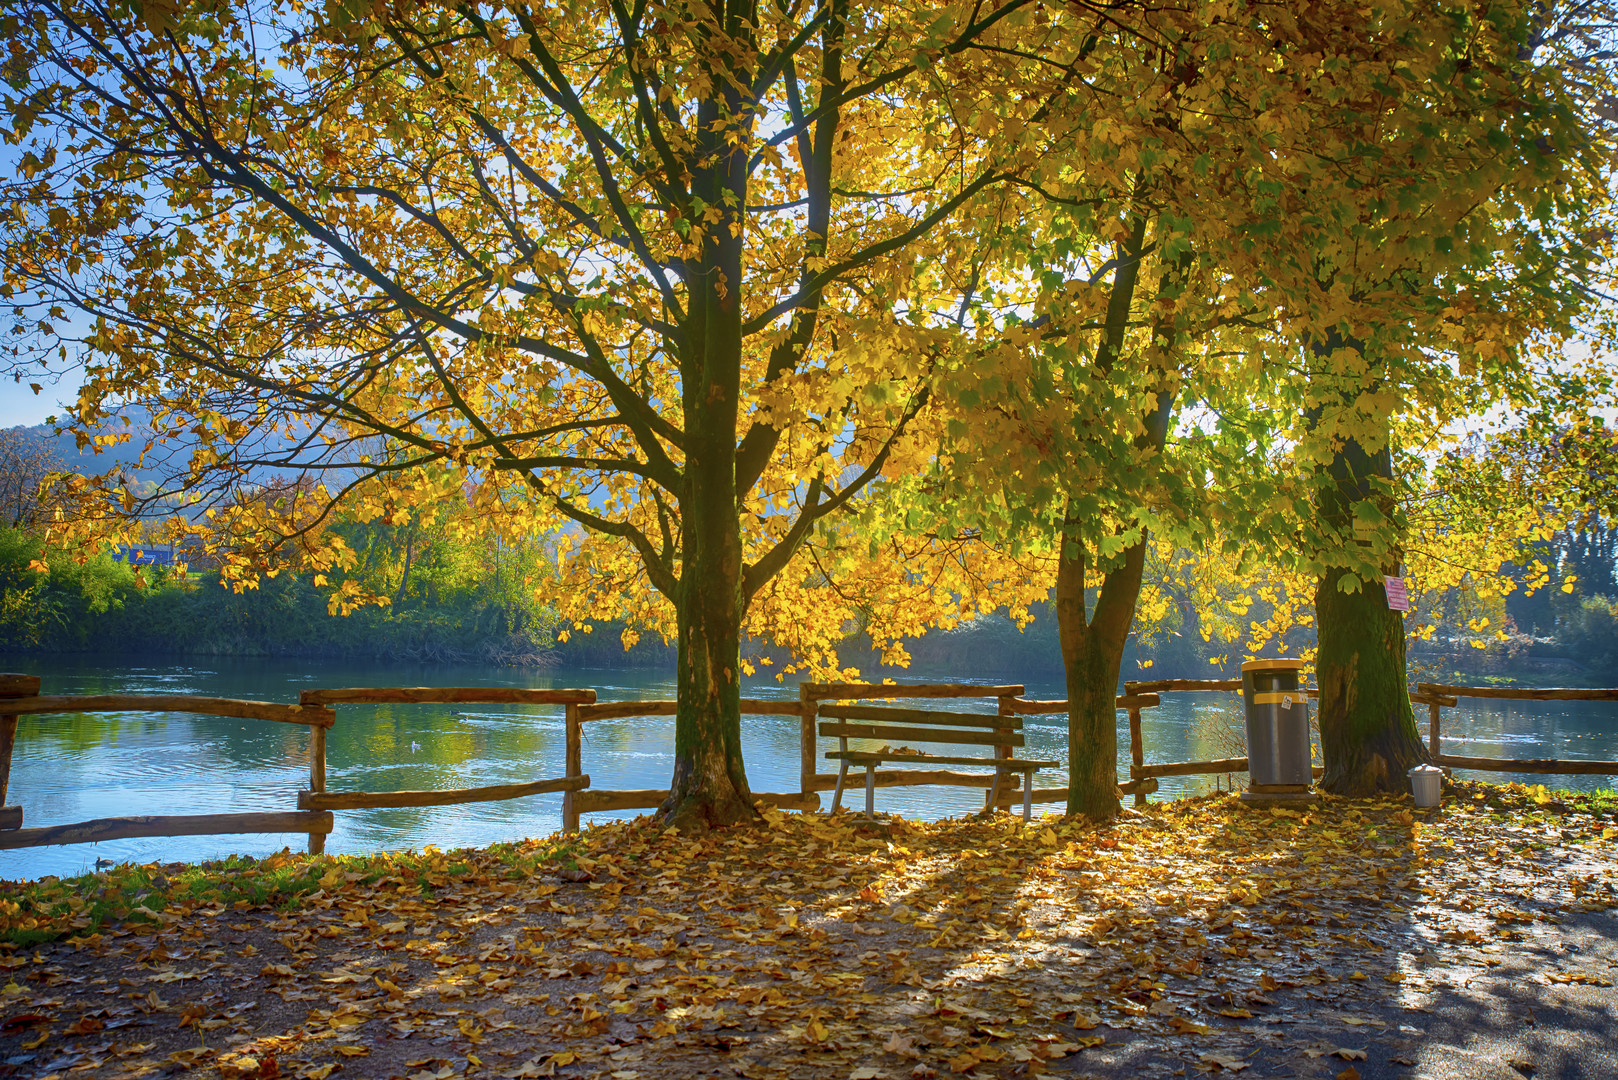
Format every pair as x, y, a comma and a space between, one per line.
1093, 642
1368, 732
404, 578
1092, 655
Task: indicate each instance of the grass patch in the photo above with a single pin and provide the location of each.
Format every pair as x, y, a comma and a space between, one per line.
128, 895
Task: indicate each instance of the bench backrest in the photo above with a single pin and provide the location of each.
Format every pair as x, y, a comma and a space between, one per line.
921, 725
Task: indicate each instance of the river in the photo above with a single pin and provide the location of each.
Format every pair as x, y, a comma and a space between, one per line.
74, 767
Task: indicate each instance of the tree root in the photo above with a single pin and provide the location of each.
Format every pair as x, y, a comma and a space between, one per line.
694, 817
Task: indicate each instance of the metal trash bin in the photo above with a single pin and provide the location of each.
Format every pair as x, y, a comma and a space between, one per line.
1278, 758
1426, 785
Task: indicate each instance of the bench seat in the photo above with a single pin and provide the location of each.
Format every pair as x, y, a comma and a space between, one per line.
861, 756
1003, 734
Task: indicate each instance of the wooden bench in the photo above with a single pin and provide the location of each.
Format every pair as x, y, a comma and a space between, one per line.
1000, 733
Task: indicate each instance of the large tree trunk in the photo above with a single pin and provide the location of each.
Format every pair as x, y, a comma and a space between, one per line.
709, 787
710, 781
1367, 730
1368, 733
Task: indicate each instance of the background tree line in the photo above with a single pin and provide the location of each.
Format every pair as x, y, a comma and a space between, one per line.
459, 602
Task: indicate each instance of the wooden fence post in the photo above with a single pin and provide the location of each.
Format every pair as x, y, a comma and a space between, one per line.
317, 780
1137, 749
808, 706
574, 766
1432, 728
1003, 707
12, 686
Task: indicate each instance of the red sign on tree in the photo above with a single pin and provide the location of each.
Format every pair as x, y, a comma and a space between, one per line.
1398, 598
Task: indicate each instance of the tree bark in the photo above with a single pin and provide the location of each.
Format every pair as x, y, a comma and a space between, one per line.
1092, 654
709, 786
1367, 729
1368, 733
1093, 642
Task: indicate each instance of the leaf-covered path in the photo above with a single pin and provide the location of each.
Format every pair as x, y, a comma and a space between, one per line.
1356, 939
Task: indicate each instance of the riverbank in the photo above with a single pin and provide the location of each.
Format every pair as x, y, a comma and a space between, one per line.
1200, 935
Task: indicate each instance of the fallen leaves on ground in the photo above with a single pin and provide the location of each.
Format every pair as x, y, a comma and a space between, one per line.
812, 948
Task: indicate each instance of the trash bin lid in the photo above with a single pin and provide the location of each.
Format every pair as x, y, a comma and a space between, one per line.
1278, 663
1422, 770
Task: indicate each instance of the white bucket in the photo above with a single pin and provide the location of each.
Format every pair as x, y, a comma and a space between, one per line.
1425, 783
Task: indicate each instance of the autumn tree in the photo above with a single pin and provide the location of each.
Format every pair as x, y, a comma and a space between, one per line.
659, 271
1491, 264
25, 461
1386, 185
1411, 254
1056, 427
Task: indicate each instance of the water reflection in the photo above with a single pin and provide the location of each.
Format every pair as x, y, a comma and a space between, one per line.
73, 767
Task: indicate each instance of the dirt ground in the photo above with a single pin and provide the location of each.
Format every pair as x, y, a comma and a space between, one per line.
1352, 939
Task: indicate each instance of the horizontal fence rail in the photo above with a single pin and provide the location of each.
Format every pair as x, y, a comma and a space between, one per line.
593, 801
310, 715
372, 800
19, 696
123, 828
444, 695
1444, 694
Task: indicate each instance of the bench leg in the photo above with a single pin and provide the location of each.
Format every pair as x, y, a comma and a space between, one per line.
1028, 796
870, 791
837, 796
994, 792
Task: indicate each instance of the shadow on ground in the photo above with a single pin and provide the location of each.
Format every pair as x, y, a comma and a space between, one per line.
1348, 939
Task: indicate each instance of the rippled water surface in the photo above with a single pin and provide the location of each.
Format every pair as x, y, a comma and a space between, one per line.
74, 767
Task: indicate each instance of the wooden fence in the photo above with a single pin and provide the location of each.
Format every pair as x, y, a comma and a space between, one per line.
318, 798
1439, 694
19, 696
22, 698
1145, 694
582, 801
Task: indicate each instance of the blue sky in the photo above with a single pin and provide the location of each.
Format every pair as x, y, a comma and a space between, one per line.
20, 407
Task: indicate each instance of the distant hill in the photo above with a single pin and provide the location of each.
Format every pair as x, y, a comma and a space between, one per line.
136, 422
